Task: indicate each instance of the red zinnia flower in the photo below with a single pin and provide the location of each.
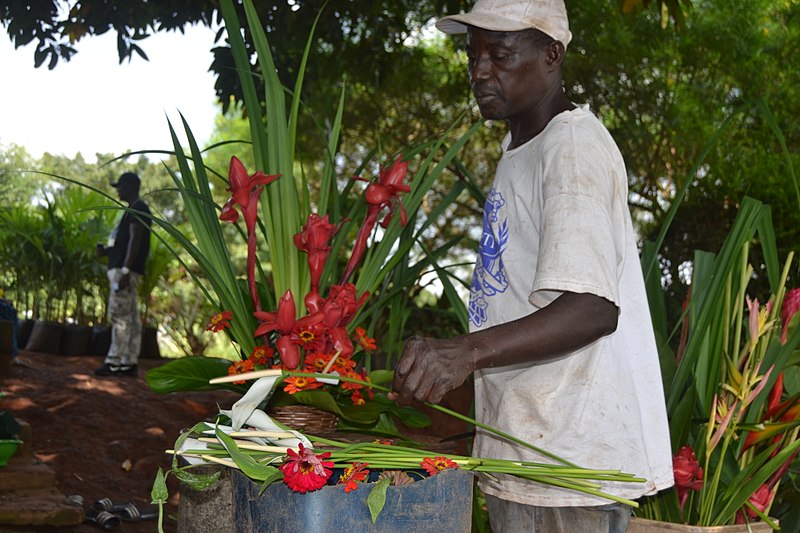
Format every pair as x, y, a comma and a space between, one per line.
437, 464
262, 355
353, 474
304, 471
220, 321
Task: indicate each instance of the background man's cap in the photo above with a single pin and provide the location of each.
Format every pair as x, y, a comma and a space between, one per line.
548, 16
127, 178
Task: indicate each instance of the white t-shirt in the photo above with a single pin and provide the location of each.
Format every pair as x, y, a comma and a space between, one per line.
556, 219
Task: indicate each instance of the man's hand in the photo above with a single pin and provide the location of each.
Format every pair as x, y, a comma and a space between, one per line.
429, 368
100, 250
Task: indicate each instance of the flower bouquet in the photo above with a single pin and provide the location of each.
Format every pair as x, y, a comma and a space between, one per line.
734, 419
306, 303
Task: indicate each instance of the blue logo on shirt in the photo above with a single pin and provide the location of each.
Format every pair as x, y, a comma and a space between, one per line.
489, 277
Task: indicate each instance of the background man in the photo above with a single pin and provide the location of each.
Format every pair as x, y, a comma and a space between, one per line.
560, 341
127, 251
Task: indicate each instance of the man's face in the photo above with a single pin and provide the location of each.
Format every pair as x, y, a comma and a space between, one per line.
508, 73
124, 191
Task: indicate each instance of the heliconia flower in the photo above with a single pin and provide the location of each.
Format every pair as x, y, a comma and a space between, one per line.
245, 190
353, 475
300, 383
383, 193
364, 341
240, 367
262, 355
305, 471
220, 321
688, 473
437, 464
284, 322
791, 305
314, 239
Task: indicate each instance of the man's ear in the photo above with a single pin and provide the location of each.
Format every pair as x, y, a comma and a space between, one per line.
555, 53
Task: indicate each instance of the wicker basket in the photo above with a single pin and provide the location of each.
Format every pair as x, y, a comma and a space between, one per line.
305, 418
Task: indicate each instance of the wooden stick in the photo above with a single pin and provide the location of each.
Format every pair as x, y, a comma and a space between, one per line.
247, 375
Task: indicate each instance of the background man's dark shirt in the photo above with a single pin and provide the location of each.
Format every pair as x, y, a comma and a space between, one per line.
116, 254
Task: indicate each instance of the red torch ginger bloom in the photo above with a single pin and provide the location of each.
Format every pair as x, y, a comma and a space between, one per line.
220, 321
437, 464
305, 471
240, 367
385, 193
791, 305
688, 474
245, 190
284, 322
760, 499
314, 239
364, 341
353, 475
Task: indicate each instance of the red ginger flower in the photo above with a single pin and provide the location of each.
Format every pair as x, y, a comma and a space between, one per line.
245, 190
791, 305
760, 499
354, 474
688, 474
437, 464
284, 322
305, 471
220, 321
385, 193
314, 239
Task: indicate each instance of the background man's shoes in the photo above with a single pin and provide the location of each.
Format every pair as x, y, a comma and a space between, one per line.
117, 370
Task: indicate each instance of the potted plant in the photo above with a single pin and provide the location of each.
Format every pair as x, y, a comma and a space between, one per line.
734, 420
9, 428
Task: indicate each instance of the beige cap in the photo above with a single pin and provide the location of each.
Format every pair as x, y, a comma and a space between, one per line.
548, 16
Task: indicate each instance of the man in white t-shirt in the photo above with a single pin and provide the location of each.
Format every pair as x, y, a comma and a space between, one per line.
560, 343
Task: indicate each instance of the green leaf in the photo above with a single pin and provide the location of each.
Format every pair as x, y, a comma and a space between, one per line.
197, 481
377, 498
159, 494
249, 466
189, 374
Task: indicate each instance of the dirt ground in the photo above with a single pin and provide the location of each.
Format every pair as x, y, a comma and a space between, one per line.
104, 437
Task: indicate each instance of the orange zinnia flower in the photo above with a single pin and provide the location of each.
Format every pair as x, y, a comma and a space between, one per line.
240, 367
262, 355
437, 464
367, 343
300, 383
353, 474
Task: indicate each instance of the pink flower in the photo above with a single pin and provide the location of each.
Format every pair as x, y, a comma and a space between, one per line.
760, 499
305, 471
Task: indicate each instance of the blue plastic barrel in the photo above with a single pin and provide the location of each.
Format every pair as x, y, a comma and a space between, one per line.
440, 504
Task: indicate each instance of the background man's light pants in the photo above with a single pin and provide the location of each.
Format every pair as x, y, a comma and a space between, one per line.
126, 324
